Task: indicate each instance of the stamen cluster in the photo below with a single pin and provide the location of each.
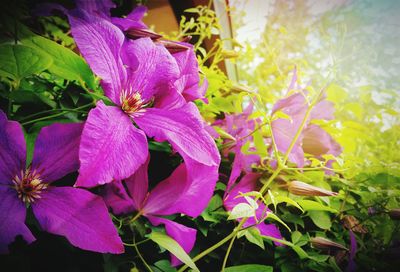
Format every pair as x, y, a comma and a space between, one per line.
131, 101
28, 185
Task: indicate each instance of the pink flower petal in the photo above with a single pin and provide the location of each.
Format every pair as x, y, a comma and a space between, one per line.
138, 185
318, 142
183, 130
56, 151
201, 180
184, 236
100, 43
116, 197
284, 132
80, 216
12, 149
247, 184
111, 147
12, 219
132, 20
152, 69
166, 193
100, 8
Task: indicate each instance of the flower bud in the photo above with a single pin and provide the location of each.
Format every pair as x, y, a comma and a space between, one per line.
186, 39
135, 33
173, 47
239, 89
395, 214
324, 243
229, 54
303, 189
351, 223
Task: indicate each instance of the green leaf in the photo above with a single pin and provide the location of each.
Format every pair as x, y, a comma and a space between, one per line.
321, 219
271, 196
209, 214
253, 236
192, 10
157, 146
309, 205
296, 235
66, 63
31, 97
275, 217
223, 133
259, 143
163, 266
250, 268
172, 246
318, 257
280, 199
241, 210
252, 193
300, 252
19, 61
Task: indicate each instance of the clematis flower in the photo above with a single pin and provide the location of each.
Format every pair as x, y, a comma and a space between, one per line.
313, 139
248, 183
134, 73
240, 128
176, 194
77, 214
187, 87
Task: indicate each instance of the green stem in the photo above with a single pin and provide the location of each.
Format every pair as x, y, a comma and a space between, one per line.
315, 168
227, 253
138, 243
254, 131
54, 115
210, 249
135, 217
141, 257
47, 111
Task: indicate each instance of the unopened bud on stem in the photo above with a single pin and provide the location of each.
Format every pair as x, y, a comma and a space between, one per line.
229, 54
395, 214
303, 189
324, 243
135, 33
173, 47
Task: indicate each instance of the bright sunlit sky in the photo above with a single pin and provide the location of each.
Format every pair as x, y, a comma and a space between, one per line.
371, 47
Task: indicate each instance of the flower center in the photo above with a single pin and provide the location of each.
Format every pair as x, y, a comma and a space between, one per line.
131, 102
28, 185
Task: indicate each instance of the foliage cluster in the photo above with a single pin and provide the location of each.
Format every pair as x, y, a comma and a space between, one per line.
44, 80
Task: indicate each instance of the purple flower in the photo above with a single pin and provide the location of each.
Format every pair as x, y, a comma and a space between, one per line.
186, 86
240, 127
77, 214
248, 184
182, 192
135, 75
313, 139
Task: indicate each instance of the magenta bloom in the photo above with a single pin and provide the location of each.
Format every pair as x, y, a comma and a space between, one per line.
240, 127
248, 184
182, 192
135, 75
77, 214
313, 139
